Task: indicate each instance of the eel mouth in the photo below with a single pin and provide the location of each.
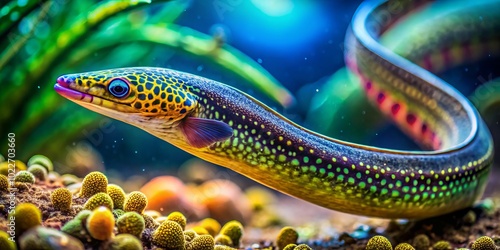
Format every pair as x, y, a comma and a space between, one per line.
63, 88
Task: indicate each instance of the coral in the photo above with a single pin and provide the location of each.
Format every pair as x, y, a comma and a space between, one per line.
421, 242
93, 183
5, 243
179, 218
305, 247
211, 225
4, 183
131, 223
169, 235
24, 177
200, 230
119, 212
289, 247
378, 243
404, 246
222, 247
41, 160
135, 201
153, 213
27, 216
69, 179
123, 242
189, 235
442, 245
99, 199
483, 243
48, 238
117, 195
223, 240
234, 230
150, 222
469, 218
202, 242
100, 224
61, 199
38, 171
287, 235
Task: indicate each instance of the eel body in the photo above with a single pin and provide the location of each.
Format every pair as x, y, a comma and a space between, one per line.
227, 127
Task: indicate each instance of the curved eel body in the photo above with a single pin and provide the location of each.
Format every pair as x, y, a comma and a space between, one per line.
230, 128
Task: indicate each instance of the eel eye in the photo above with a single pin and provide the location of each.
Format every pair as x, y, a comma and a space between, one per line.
119, 88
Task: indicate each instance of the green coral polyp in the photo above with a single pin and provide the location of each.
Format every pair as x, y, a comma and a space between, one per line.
61, 199
222, 239
38, 171
378, 243
24, 176
234, 230
286, 236
169, 235
179, 218
117, 195
98, 200
43, 161
484, 243
93, 183
135, 202
131, 223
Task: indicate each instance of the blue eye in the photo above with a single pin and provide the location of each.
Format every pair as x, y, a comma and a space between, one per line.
119, 88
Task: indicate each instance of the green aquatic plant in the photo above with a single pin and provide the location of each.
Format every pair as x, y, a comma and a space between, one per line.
100, 224
442, 245
117, 195
136, 201
24, 177
169, 235
484, 243
123, 242
39, 171
201, 242
404, 246
93, 183
5, 242
83, 215
77, 226
378, 243
61, 199
286, 236
43, 161
27, 215
131, 223
234, 230
179, 218
98, 200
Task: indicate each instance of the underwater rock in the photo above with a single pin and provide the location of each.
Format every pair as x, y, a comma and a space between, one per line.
48, 238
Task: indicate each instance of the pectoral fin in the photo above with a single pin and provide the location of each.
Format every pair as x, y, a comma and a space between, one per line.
200, 132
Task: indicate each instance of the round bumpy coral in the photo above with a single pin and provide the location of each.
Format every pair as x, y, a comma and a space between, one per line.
179, 218
189, 235
100, 223
4, 183
289, 247
93, 183
378, 243
484, 243
38, 171
131, 223
234, 230
223, 240
41, 160
287, 235
442, 245
211, 225
26, 216
304, 247
25, 177
61, 199
135, 202
117, 195
5, 243
99, 199
421, 242
123, 242
202, 242
404, 246
169, 235
150, 222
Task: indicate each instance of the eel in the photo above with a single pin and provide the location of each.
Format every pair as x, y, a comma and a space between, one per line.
230, 128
